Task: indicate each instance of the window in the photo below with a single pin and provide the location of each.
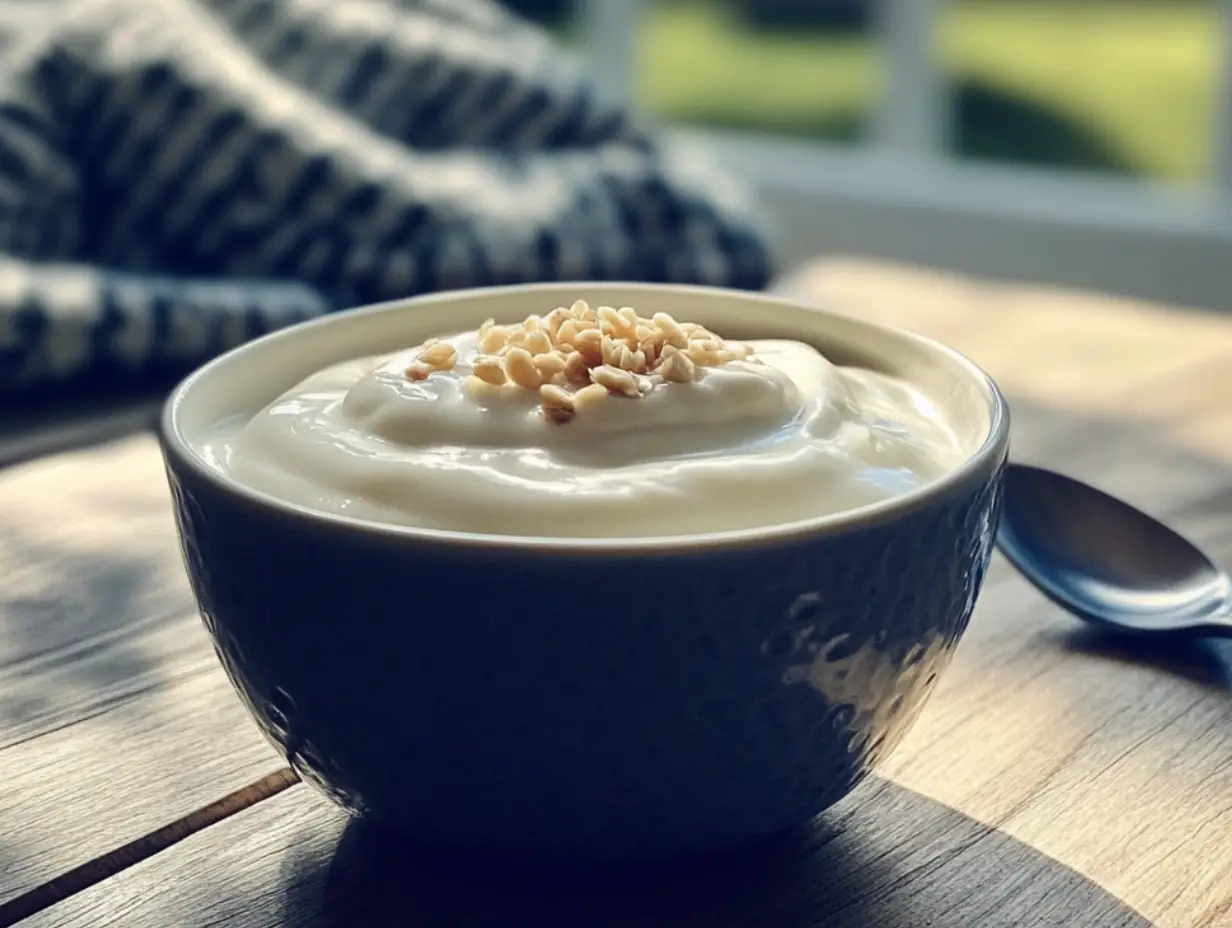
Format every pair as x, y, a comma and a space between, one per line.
808, 70
1025, 139
1126, 86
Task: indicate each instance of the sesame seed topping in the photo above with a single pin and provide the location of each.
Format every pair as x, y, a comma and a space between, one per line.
575, 357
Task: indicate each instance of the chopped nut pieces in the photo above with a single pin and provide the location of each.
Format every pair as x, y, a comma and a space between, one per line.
489, 369
440, 355
616, 380
418, 370
578, 356
520, 367
589, 395
557, 402
677, 368
549, 364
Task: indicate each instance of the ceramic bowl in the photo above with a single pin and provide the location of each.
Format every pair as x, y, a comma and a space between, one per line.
611, 699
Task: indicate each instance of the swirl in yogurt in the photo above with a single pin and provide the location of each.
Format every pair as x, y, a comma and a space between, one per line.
770, 434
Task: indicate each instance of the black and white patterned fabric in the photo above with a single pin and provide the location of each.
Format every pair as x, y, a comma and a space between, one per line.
177, 176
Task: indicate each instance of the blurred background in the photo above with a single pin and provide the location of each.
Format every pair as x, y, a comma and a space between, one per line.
1123, 86
1081, 145
1078, 142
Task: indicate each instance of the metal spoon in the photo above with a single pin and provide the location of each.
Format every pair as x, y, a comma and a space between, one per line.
1107, 562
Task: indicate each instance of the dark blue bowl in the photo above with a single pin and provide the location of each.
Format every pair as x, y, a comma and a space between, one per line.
610, 699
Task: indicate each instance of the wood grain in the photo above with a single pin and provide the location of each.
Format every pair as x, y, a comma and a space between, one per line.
1129, 361
884, 857
1056, 778
1116, 760
97, 869
114, 717
31, 429
78, 792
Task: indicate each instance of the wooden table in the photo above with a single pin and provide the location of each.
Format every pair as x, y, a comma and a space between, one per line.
1055, 779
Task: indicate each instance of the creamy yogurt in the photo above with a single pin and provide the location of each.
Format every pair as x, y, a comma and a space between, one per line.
780, 436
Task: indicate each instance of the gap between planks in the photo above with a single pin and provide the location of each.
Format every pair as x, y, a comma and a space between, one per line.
134, 852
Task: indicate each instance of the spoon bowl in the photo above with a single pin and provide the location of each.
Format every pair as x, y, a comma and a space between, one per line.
1107, 562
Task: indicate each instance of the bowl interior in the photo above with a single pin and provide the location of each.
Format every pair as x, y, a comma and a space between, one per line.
243, 381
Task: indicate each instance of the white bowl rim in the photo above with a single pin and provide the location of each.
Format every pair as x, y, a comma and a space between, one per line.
980, 464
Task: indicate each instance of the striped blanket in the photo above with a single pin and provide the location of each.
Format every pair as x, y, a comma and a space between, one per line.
177, 176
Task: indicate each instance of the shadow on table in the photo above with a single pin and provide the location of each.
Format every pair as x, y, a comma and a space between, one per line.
78, 415
65, 616
1206, 663
885, 857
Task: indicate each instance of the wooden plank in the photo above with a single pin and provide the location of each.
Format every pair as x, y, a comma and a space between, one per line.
1055, 778
1122, 360
114, 715
94, 603
1089, 761
77, 792
35, 428
97, 869
873, 860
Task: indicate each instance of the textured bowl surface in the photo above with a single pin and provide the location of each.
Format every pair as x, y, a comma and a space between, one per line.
612, 700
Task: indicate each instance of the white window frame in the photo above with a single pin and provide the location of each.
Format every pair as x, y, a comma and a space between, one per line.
903, 198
